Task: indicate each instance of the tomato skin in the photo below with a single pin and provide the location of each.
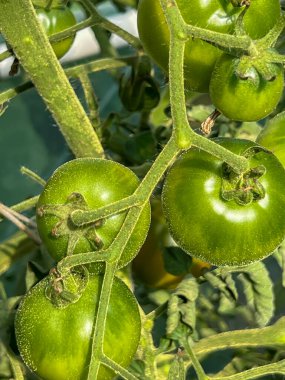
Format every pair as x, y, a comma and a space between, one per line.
272, 137
216, 15
56, 343
56, 20
244, 99
100, 182
218, 231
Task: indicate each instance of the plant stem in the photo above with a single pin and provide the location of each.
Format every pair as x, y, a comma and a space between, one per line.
90, 67
91, 101
271, 336
140, 196
24, 205
99, 328
196, 364
97, 19
255, 373
117, 368
31, 46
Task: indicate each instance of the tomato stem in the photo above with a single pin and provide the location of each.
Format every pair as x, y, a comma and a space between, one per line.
270, 39
31, 46
196, 364
71, 72
100, 323
183, 134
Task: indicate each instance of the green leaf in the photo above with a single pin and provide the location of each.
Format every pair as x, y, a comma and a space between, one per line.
258, 291
224, 283
181, 310
176, 261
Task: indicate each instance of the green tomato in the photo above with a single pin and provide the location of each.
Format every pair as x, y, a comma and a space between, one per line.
56, 20
245, 99
216, 15
272, 137
87, 184
56, 342
223, 218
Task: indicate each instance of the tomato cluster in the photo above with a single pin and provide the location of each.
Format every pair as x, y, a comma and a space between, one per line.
206, 68
216, 215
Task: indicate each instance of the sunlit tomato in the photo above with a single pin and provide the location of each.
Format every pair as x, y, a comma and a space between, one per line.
87, 184
216, 15
221, 217
56, 342
56, 20
246, 99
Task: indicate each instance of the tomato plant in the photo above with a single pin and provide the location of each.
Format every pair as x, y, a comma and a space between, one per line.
234, 95
223, 218
217, 15
55, 20
56, 342
220, 202
87, 184
273, 137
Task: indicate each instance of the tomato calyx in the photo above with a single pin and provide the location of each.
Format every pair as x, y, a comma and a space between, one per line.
62, 290
240, 3
257, 69
65, 226
244, 188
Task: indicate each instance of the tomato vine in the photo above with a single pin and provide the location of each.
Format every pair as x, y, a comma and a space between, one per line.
240, 173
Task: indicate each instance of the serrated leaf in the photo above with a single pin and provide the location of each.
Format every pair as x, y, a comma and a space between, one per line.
258, 291
224, 283
182, 309
176, 261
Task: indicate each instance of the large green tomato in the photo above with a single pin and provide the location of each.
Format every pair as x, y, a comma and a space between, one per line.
56, 342
272, 137
220, 217
87, 184
216, 15
56, 20
245, 99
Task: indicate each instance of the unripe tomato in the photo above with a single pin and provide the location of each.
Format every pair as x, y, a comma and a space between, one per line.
87, 184
216, 15
55, 20
223, 218
272, 137
56, 342
245, 99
